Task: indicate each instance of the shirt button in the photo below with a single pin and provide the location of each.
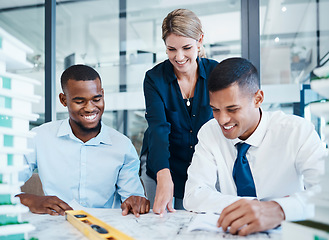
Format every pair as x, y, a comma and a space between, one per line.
191, 131
193, 115
191, 146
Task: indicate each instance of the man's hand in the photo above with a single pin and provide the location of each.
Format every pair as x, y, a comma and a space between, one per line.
135, 205
164, 192
44, 204
249, 216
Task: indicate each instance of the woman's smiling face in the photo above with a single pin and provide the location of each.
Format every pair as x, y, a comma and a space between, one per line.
182, 52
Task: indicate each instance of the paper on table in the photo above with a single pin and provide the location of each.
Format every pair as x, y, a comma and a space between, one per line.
208, 222
76, 206
205, 222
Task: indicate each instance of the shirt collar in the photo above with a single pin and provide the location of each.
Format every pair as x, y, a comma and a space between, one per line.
171, 74
102, 138
258, 135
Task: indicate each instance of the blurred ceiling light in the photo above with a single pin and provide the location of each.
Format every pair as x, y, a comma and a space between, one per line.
283, 9
277, 39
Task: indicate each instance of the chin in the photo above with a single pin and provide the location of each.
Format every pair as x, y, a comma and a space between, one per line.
91, 127
230, 137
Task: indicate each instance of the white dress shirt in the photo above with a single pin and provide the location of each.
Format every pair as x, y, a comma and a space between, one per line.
92, 173
286, 157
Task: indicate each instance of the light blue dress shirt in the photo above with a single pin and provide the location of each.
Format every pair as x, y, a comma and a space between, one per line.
95, 174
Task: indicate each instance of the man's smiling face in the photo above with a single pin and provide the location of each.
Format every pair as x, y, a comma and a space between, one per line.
85, 103
236, 111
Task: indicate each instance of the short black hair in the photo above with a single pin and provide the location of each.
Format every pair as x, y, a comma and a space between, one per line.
79, 72
234, 70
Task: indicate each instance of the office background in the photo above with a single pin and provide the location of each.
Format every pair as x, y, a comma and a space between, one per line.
121, 39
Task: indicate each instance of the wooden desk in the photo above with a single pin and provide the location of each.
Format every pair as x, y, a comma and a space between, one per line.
149, 226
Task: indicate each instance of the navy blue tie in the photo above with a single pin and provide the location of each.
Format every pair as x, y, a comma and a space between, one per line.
241, 173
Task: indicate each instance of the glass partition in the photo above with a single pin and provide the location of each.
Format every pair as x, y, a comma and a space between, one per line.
22, 36
289, 50
122, 40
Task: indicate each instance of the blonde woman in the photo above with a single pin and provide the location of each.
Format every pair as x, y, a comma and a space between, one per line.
177, 105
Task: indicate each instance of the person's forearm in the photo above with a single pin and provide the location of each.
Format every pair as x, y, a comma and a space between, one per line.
164, 175
24, 198
164, 192
199, 198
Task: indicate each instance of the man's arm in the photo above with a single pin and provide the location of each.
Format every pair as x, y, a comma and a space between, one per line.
240, 215
39, 204
129, 184
309, 163
44, 204
202, 190
245, 217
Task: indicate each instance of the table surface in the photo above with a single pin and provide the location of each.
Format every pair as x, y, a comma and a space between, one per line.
147, 226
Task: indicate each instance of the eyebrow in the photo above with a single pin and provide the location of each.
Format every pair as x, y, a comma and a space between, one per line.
187, 45
81, 98
232, 106
78, 98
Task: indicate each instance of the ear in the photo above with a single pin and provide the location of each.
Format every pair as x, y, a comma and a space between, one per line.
200, 41
62, 99
258, 98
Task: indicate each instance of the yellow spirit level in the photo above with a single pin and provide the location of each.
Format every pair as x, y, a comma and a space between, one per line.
92, 227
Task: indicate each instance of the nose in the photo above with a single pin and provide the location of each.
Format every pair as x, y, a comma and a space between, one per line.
179, 56
222, 117
90, 106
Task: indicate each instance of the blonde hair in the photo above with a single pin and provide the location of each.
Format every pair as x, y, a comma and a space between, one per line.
183, 22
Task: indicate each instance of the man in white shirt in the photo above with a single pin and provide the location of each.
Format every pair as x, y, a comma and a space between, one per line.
285, 157
82, 159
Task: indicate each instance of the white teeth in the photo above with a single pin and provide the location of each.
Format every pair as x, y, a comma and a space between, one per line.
181, 62
90, 117
228, 127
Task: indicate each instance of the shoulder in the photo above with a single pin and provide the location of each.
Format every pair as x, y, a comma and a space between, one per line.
279, 120
117, 138
211, 137
159, 76
48, 128
46, 133
209, 129
209, 64
158, 70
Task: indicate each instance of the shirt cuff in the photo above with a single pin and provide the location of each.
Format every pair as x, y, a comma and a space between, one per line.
294, 209
134, 194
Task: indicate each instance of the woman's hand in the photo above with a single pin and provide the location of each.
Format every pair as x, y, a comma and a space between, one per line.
164, 192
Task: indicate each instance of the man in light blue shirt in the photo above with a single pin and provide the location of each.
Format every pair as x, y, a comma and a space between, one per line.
82, 159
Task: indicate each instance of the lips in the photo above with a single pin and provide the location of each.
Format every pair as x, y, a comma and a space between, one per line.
90, 117
228, 128
182, 62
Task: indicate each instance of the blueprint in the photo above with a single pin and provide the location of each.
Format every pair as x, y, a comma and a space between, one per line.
146, 227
